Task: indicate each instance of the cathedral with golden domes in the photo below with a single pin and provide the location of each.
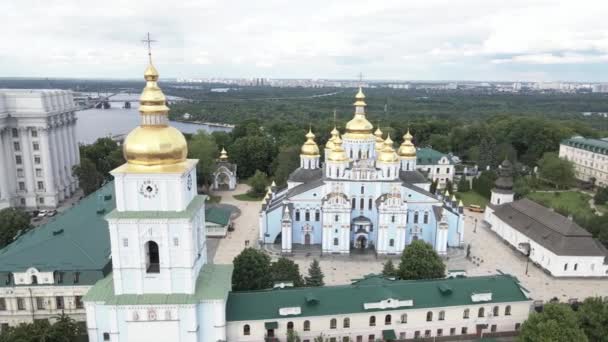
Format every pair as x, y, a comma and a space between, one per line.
363, 195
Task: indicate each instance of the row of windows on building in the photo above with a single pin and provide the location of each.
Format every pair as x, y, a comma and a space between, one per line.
15, 132
317, 213
42, 303
388, 319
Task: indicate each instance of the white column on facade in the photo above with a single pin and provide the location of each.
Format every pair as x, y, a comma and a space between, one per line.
27, 159
4, 190
60, 181
345, 240
64, 156
47, 170
9, 167
68, 155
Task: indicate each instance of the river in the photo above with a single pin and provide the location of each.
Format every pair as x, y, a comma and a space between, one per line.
95, 123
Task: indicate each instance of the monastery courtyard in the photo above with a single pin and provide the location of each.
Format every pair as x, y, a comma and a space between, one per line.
488, 253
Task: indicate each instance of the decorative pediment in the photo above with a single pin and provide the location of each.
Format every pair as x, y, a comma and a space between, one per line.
290, 311
481, 297
389, 303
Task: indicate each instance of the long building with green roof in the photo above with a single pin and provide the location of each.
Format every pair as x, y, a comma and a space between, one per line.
380, 307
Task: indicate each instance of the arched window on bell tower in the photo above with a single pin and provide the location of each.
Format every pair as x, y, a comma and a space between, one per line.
152, 257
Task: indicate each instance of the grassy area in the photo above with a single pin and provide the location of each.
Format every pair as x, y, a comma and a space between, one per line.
471, 197
214, 199
248, 197
568, 202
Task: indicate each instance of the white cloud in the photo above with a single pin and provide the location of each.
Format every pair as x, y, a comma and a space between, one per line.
414, 39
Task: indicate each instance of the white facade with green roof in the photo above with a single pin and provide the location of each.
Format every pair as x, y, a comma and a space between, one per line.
377, 308
589, 156
437, 166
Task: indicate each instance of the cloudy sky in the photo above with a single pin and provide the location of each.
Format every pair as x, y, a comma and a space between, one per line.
383, 39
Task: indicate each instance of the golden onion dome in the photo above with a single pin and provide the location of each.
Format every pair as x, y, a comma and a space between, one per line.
337, 154
388, 155
379, 140
310, 147
223, 155
330, 143
154, 142
407, 148
359, 126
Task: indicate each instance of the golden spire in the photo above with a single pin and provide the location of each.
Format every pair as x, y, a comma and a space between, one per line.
407, 148
154, 142
310, 147
387, 155
334, 133
337, 154
359, 127
379, 139
223, 155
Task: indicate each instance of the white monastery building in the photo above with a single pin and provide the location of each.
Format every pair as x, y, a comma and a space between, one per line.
38, 148
363, 195
589, 156
553, 242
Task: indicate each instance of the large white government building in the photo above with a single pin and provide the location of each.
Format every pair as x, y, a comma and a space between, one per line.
553, 242
38, 148
589, 156
365, 195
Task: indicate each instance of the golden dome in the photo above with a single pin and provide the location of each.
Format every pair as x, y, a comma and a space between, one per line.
359, 126
310, 147
330, 143
337, 154
407, 148
388, 155
154, 142
379, 140
223, 155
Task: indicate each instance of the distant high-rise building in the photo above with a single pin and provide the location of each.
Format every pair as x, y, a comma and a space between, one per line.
38, 148
600, 88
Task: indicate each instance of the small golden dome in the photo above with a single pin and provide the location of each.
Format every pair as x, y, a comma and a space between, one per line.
223, 155
388, 155
330, 143
359, 126
154, 142
379, 140
407, 148
337, 154
310, 147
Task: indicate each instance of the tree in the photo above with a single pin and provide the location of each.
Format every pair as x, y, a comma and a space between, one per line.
449, 186
286, 270
557, 323
292, 336
434, 184
484, 183
487, 153
65, 329
315, 275
88, 177
420, 261
202, 147
258, 183
252, 153
389, 270
521, 187
601, 196
12, 221
593, 318
286, 162
105, 153
556, 171
251, 270
463, 184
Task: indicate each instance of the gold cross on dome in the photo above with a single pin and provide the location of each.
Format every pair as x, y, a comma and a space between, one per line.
149, 42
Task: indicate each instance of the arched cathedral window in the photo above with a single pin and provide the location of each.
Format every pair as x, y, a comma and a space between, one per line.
426, 217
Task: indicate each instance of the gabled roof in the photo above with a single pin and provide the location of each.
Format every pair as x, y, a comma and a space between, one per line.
551, 230
75, 240
413, 177
302, 175
429, 156
348, 299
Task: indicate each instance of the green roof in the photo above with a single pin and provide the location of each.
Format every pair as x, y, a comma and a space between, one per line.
346, 299
428, 156
76, 240
219, 215
194, 205
214, 282
592, 145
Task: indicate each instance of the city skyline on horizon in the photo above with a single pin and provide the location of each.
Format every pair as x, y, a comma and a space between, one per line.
418, 40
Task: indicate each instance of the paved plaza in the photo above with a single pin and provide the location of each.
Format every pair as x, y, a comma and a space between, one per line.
489, 256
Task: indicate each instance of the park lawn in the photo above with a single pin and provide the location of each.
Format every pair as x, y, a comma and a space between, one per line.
571, 202
471, 197
248, 197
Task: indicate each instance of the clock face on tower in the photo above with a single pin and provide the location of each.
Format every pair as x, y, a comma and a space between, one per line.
148, 189
189, 181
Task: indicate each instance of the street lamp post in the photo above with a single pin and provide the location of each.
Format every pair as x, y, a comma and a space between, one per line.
475, 229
